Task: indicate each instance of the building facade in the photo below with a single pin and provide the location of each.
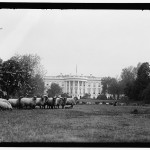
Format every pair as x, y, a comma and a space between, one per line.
76, 86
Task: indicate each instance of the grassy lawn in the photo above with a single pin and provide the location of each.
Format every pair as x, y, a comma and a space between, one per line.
83, 123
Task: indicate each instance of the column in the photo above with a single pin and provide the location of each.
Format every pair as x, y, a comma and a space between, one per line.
65, 86
78, 92
69, 88
86, 91
73, 87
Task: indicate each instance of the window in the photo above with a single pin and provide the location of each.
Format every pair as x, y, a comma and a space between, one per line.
94, 91
99, 84
89, 90
99, 90
76, 83
80, 83
76, 91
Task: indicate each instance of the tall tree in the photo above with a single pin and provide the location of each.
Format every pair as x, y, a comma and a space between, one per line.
38, 86
11, 79
142, 81
128, 78
22, 75
54, 90
33, 74
114, 88
105, 83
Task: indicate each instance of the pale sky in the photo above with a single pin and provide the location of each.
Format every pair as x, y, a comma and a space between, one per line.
100, 42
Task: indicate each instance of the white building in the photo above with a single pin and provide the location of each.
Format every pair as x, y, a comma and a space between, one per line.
76, 86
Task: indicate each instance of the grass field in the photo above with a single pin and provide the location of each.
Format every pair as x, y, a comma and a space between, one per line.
83, 123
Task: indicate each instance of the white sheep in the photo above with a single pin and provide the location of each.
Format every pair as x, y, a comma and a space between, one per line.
5, 105
27, 102
40, 102
14, 102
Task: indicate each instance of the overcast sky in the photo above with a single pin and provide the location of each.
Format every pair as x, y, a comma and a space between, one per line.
100, 42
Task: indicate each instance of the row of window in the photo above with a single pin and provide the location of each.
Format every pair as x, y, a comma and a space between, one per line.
94, 90
76, 84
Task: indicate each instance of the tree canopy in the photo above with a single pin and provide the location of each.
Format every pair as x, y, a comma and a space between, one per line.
22, 76
54, 90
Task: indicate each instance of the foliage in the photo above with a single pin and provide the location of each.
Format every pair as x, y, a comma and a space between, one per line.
37, 84
20, 76
86, 96
142, 80
105, 82
65, 95
146, 94
112, 86
54, 90
32, 76
12, 77
128, 78
102, 97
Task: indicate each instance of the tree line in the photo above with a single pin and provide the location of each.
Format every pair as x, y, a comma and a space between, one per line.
133, 84
21, 75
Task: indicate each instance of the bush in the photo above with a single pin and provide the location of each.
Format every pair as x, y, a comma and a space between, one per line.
86, 96
146, 94
102, 97
135, 111
124, 98
65, 95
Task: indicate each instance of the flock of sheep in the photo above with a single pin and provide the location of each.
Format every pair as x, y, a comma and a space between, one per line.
42, 102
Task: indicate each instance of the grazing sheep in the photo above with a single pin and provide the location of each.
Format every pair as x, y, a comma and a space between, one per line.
5, 105
58, 102
14, 103
89, 103
70, 101
50, 102
4, 100
40, 102
122, 104
27, 102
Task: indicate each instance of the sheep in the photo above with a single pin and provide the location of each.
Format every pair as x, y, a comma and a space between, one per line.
89, 103
14, 102
50, 102
40, 102
70, 101
5, 105
58, 102
27, 102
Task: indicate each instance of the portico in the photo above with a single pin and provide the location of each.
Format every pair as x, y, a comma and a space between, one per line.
75, 86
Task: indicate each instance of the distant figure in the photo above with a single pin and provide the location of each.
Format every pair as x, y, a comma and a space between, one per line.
115, 103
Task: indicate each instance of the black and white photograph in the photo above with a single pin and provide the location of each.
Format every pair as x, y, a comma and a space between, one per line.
74, 76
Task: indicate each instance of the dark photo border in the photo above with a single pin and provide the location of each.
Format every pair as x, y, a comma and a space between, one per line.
71, 5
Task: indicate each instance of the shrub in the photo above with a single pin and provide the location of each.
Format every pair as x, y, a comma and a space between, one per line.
102, 97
